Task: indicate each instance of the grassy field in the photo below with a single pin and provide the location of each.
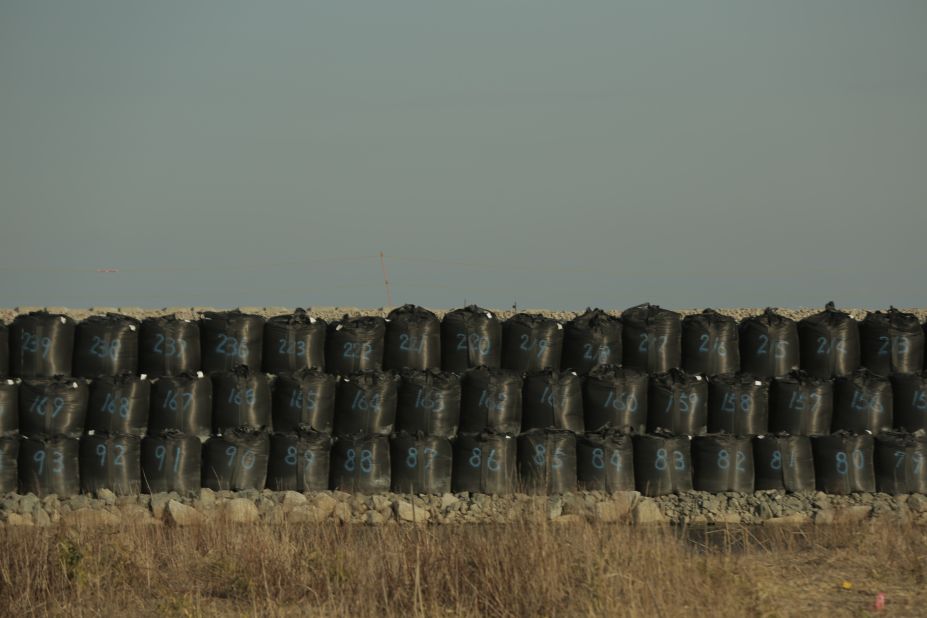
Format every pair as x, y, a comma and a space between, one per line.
537, 570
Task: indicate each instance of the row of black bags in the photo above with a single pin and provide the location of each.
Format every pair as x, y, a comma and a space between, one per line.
827, 344
442, 403
838, 463
539, 461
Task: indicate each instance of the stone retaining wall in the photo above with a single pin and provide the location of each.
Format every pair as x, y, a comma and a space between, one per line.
246, 507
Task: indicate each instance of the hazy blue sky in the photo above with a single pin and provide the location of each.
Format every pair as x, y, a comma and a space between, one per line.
560, 154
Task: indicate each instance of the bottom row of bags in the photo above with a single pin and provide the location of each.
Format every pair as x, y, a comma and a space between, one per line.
541, 461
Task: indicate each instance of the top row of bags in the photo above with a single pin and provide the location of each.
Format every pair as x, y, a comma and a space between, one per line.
646, 337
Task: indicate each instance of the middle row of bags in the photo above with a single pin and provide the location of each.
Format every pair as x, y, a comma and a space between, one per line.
481, 399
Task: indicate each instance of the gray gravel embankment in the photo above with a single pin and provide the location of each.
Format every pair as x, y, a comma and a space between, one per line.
334, 313
249, 507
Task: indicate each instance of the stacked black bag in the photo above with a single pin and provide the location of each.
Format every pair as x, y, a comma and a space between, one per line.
236, 456
49, 407
614, 404
552, 416
768, 345
106, 348
180, 411
303, 403
484, 458
829, 343
427, 417
52, 412
365, 414
590, 340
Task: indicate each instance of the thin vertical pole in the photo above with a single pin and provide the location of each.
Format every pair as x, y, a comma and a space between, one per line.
389, 296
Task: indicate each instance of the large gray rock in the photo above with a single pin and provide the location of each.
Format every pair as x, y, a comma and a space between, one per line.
27, 503
90, 517
405, 511
342, 513
160, 501
291, 499
241, 511
15, 519
795, 519
647, 512
375, 518
618, 508
107, 496
180, 514
917, 503
207, 497
852, 514
307, 514
137, 515
40, 517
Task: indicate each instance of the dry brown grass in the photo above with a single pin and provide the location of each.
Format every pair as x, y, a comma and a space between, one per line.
536, 570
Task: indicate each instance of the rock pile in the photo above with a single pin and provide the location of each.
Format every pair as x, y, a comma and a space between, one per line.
289, 507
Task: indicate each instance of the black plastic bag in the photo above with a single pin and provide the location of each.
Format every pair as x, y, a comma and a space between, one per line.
677, 402
428, 403
306, 397
891, 342
9, 464
531, 342
110, 461
9, 407
605, 462
652, 339
106, 345
119, 404
240, 397
662, 464
420, 464
413, 339
49, 465
231, 338
783, 462
722, 462
355, 344
547, 461
171, 461
169, 346
552, 400
4, 350
901, 463
293, 342
484, 463
829, 343
710, 344
470, 337
181, 403
236, 460
299, 461
490, 400
862, 402
738, 404
843, 463
769, 345
53, 406
909, 400
801, 405
366, 403
591, 339
41, 345
361, 464
615, 398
